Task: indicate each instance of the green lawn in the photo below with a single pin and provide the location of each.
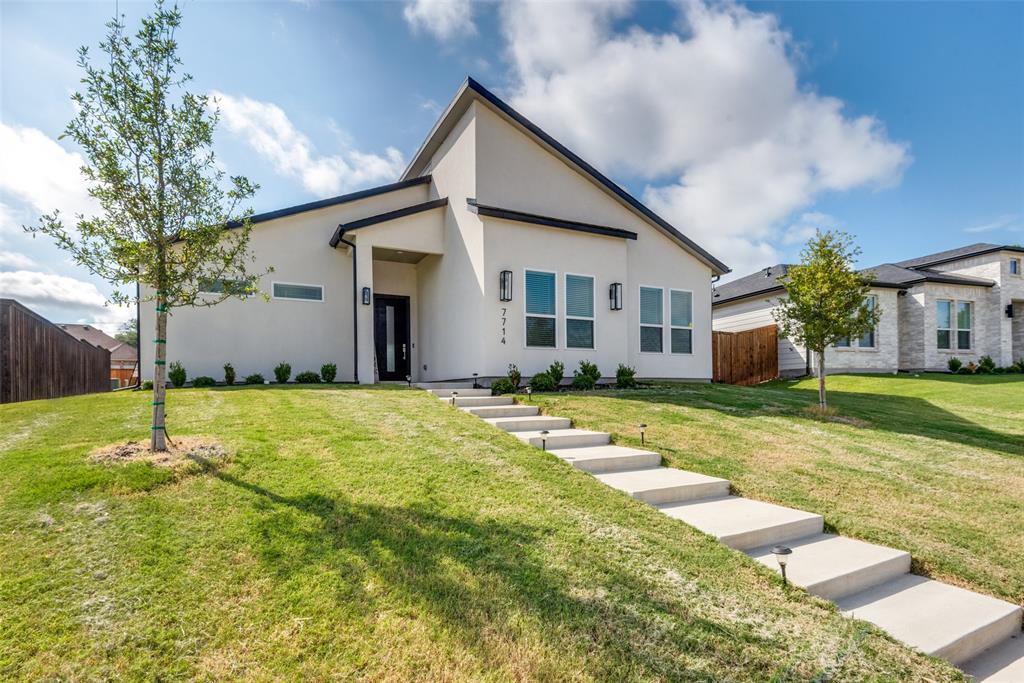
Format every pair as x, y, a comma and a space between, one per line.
376, 534
933, 464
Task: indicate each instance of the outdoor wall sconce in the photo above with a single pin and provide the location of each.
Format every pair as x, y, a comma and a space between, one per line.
1009, 310
615, 296
643, 428
505, 285
366, 296
782, 554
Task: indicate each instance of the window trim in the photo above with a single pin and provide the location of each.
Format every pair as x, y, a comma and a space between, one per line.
275, 283
679, 327
969, 329
526, 314
954, 329
566, 318
640, 318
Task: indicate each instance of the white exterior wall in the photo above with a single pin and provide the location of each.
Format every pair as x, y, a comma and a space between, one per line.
514, 172
1008, 288
757, 312
255, 335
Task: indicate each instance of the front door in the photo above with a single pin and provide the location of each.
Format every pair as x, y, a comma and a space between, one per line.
391, 336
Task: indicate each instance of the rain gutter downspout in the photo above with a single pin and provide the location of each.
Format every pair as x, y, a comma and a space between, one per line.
355, 306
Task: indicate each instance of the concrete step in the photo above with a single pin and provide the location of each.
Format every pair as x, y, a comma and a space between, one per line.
741, 523
565, 438
1003, 663
458, 386
596, 459
833, 567
532, 423
938, 619
503, 411
464, 391
478, 401
659, 485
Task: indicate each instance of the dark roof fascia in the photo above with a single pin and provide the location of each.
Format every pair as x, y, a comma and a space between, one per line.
960, 257
614, 188
746, 295
333, 201
384, 217
548, 221
952, 280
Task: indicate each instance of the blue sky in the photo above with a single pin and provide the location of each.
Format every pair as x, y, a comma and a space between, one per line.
745, 125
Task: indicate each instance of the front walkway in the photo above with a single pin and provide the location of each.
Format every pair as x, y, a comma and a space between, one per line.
978, 633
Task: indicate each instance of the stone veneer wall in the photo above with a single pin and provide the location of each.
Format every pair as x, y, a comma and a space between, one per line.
1017, 326
885, 356
912, 329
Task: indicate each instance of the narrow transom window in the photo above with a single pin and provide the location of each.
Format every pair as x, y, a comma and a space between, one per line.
540, 309
944, 323
221, 286
579, 312
288, 290
964, 309
681, 321
651, 320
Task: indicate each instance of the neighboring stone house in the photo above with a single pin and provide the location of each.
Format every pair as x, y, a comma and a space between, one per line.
966, 302
124, 357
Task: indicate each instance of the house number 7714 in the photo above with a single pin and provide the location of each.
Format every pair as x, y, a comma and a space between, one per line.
504, 321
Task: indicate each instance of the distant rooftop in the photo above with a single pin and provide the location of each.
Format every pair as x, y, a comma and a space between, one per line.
97, 337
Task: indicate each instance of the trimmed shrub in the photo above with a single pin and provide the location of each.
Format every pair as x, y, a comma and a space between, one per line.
256, 378
502, 385
557, 372
1001, 371
967, 369
147, 385
625, 377
177, 374
543, 381
986, 364
586, 376
328, 371
954, 364
282, 372
1018, 366
229, 374
514, 375
308, 377
204, 381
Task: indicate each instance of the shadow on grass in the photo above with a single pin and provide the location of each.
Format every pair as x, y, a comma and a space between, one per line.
884, 412
490, 585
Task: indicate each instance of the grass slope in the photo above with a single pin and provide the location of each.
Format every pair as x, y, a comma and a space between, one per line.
931, 464
375, 534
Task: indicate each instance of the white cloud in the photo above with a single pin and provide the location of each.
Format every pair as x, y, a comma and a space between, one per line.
15, 260
267, 129
36, 171
1005, 222
807, 225
46, 289
711, 114
444, 19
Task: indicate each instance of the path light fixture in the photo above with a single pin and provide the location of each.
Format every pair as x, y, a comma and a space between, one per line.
455, 395
408, 379
505, 285
544, 439
615, 296
529, 393
643, 429
782, 553
475, 384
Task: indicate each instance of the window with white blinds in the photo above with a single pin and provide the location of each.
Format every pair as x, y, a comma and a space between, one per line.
540, 308
652, 329
579, 312
681, 322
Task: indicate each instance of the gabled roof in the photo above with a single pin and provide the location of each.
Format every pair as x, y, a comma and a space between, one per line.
886, 276
385, 217
97, 337
473, 91
956, 254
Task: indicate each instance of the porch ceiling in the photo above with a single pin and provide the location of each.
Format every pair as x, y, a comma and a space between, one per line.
398, 255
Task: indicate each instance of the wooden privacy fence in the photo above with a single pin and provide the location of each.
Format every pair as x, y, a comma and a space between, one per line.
747, 357
40, 360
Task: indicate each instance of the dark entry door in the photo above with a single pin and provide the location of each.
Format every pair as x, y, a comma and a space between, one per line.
391, 336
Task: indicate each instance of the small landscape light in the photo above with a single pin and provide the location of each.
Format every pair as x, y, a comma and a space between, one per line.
643, 429
455, 395
475, 385
544, 439
408, 379
529, 393
782, 553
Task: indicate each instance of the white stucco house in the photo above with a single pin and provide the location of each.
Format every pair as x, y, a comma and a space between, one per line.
966, 302
497, 245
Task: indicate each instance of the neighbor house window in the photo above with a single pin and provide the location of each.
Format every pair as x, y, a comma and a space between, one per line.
944, 323
579, 312
681, 321
290, 290
651, 320
540, 309
1015, 266
866, 340
964, 309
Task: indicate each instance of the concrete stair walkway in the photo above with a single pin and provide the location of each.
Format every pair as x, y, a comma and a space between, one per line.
978, 633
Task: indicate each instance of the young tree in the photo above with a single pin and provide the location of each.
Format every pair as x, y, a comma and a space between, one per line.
825, 299
149, 163
128, 332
